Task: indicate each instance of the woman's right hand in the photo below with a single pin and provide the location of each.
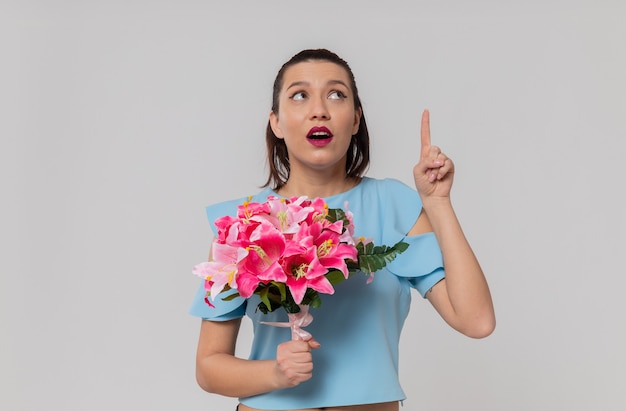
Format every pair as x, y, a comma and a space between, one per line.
435, 171
294, 362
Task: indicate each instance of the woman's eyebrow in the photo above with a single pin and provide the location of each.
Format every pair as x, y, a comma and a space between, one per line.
297, 84
306, 83
333, 82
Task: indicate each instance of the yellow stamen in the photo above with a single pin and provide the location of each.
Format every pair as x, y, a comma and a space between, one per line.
282, 219
324, 248
300, 271
261, 253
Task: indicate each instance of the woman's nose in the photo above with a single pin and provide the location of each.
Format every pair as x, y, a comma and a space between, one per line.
319, 110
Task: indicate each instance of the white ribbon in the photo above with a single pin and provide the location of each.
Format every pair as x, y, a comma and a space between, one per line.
296, 322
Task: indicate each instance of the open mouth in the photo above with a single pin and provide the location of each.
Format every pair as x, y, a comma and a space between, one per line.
319, 133
319, 136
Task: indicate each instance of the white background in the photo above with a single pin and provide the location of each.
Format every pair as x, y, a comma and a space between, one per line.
121, 120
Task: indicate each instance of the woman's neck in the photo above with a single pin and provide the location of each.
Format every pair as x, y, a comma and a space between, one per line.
317, 187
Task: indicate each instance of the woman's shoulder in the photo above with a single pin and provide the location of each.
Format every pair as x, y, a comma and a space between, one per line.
397, 203
387, 186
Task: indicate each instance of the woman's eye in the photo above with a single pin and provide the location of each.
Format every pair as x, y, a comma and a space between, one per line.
336, 95
298, 96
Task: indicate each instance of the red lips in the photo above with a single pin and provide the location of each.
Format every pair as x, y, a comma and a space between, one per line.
319, 136
319, 132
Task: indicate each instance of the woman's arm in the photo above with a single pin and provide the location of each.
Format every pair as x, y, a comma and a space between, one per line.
462, 298
219, 371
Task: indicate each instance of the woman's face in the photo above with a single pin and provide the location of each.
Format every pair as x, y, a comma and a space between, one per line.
316, 116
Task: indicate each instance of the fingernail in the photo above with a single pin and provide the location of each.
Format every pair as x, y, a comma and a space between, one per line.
438, 162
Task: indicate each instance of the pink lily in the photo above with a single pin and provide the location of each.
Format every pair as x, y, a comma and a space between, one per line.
303, 268
249, 209
222, 269
264, 249
331, 252
286, 216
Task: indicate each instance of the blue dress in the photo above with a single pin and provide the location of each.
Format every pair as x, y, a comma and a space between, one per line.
359, 326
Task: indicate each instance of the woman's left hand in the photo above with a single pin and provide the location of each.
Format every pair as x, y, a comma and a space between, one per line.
435, 171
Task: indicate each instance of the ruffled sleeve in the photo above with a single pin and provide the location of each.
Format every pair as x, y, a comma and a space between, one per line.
422, 263
223, 310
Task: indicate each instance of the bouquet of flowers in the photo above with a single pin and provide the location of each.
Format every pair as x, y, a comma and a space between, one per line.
288, 251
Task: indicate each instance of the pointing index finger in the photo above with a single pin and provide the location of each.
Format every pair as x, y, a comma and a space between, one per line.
425, 133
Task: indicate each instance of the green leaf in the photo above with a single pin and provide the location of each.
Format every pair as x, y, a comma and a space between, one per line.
231, 297
316, 301
291, 306
336, 214
335, 277
282, 289
375, 258
401, 246
264, 298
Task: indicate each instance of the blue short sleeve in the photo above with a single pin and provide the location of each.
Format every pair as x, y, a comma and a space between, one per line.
422, 263
223, 310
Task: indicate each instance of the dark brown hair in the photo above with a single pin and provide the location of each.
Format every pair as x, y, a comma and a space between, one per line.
278, 158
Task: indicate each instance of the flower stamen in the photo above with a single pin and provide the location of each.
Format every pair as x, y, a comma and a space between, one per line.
261, 253
300, 270
325, 248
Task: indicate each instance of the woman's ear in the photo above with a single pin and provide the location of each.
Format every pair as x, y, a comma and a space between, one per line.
274, 124
357, 120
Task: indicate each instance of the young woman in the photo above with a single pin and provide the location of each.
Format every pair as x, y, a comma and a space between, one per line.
318, 146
